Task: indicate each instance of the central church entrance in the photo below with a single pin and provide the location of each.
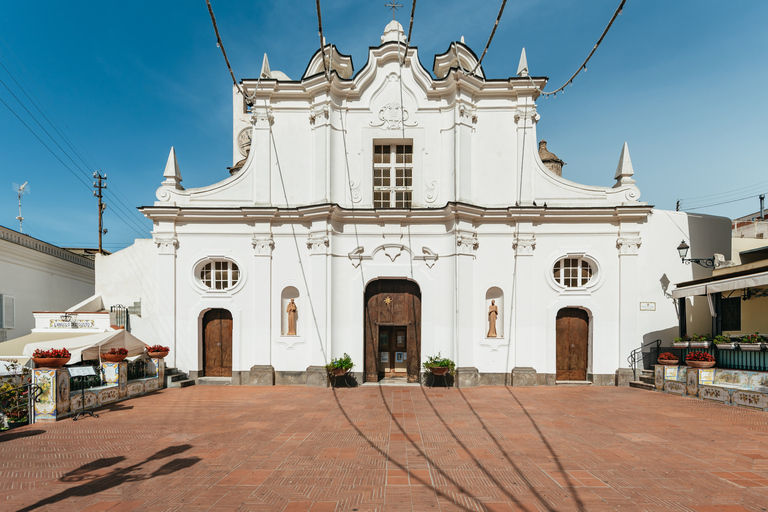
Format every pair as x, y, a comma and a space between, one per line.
392, 330
217, 343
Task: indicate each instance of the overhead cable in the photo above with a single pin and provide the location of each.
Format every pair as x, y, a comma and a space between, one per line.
495, 25
410, 30
322, 39
584, 64
223, 51
752, 196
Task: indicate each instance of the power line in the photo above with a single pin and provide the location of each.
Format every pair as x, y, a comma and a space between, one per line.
495, 25
723, 194
410, 30
722, 202
584, 64
221, 45
322, 39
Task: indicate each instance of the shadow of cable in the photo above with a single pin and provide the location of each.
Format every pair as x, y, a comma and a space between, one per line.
10, 435
94, 481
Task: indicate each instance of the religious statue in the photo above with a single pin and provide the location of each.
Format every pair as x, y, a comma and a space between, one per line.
493, 312
292, 313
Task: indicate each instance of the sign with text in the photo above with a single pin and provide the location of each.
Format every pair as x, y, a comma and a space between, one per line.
81, 371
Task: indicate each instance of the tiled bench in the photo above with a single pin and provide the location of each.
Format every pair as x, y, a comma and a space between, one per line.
732, 387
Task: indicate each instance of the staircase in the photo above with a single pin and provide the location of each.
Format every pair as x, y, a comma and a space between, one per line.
646, 381
174, 378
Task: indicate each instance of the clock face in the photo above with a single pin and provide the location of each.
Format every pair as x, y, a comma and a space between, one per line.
244, 141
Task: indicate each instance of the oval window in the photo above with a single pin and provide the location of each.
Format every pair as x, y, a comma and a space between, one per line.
219, 275
573, 272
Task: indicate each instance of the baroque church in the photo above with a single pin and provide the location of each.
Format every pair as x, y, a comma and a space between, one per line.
397, 213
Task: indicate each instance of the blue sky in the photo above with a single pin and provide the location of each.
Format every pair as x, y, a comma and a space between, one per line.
681, 81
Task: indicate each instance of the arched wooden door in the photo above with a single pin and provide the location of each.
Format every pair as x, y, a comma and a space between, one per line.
392, 329
572, 344
217, 343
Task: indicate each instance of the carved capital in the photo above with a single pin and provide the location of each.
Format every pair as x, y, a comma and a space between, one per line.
524, 245
468, 112
167, 245
262, 117
629, 245
319, 111
262, 246
466, 243
317, 243
526, 113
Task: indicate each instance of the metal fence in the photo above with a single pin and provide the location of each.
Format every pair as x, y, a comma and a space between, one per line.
736, 359
17, 403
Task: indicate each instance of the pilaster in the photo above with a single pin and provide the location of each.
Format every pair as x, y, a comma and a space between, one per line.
260, 347
523, 327
317, 306
165, 290
261, 149
629, 248
466, 248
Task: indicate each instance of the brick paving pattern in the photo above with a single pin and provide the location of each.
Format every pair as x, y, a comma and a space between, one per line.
399, 449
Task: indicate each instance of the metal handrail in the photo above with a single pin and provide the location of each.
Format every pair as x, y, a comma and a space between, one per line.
33, 392
633, 356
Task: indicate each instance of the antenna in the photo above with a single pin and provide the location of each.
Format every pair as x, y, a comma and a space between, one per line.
20, 191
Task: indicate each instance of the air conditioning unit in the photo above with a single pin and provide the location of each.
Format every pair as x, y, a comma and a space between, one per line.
7, 312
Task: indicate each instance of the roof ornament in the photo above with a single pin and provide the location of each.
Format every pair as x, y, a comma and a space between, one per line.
624, 170
172, 174
392, 5
522, 67
265, 71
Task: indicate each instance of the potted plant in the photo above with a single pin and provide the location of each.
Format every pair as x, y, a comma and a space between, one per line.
700, 341
700, 359
340, 366
751, 342
53, 358
157, 351
438, 365
667, 358
115, 355
725, 342
682, 342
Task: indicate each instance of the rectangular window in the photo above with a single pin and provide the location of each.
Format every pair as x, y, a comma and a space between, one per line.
731, 311
392, 175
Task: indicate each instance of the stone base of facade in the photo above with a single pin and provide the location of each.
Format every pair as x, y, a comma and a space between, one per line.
290, 378
524, 376
467, 377
261, 375
317, 377
495, 379
194, 374
624, 376
602, 379
546, 379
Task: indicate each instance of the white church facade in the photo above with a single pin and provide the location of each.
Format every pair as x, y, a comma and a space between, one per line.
393, 214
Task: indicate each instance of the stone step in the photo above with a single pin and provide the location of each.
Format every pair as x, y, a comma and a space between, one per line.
641, 385
573, 383
214, 381
181, 383
648, 380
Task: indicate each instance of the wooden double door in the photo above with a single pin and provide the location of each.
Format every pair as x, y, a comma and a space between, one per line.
392, 329
572, 344
217, 343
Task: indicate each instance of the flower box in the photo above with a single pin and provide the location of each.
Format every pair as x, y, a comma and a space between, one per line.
700, 344
680, 344
754, 347
727, 346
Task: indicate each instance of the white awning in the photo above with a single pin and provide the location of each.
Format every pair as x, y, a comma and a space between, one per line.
90, 346
689, 291
738, 283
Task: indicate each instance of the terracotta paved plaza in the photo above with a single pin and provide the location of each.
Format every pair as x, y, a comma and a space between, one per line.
299, 449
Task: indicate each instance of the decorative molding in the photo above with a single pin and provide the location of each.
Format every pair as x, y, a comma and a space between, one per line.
317, 243
167, 245
393, 117
316, 112
524, 245
428, 257
391, 250
629, 245
466, 243
356, 256
468, 112
262, 246
526, 113
262, 117
290, 342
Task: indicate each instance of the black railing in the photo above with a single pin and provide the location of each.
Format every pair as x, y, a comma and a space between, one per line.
18, 403
735, 359
120, 314
137, 369
637, 355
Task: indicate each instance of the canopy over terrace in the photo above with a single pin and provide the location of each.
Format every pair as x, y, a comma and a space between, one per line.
86, 347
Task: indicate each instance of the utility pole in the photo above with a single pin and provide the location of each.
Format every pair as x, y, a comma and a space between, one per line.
677, 206
102, 206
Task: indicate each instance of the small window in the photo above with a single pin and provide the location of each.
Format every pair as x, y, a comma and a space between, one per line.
219, 275
731, 311
573, 272
392, 175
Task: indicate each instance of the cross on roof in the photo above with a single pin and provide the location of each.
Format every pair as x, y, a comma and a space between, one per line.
392, 5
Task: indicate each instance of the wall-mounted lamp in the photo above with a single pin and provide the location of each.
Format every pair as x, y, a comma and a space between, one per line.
682, 250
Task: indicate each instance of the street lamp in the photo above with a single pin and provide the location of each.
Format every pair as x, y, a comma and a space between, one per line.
682, 250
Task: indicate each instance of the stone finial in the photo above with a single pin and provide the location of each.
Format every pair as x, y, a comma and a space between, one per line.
393, 32
550, 159
172, 174
265, 72
624, 170
522, 67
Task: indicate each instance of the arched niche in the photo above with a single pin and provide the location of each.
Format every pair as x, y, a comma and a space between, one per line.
494, 294
289, 292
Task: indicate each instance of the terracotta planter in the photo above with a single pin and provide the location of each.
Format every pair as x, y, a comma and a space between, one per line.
157, 355
701, 364
113, 358
338, 372
668, 362
441, 370
50, 362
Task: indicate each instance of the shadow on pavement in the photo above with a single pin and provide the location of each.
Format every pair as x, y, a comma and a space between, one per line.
10, 435
94, 483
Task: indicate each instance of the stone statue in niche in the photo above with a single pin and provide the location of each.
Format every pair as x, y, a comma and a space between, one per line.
292, 311
493, 312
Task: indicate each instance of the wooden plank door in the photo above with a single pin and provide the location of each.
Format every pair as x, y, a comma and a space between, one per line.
217, 343
572, 344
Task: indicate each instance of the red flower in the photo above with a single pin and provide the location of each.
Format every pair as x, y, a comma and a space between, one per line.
118, 351
55, 353
699, 356
158, 348
667, 356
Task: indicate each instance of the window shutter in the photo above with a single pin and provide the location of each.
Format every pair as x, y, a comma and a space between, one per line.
7, 312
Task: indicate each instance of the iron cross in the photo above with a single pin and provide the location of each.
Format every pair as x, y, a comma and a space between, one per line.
392, 5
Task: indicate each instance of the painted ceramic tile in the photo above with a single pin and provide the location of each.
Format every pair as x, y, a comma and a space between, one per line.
670, 373
682, 373
151, 385
111, 372
674, 387
152, 365
46, 404
62, 400
692, 388
732, 377
759, 381
108, 395
714, 394
706, 376
122, 384
135, 388
658, 374
749, 399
